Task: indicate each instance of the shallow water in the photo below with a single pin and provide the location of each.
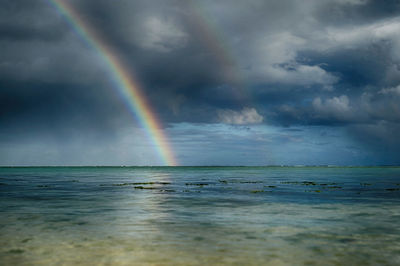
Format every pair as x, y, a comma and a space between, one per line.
200, 216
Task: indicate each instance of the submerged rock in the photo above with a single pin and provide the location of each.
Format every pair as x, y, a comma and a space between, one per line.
196, 184
142, 187
151, 183
16, 251
290, 182
309, 183
328, 184
141, 183
256, 191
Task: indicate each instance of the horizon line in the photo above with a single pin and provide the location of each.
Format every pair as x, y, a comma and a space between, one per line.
183, 166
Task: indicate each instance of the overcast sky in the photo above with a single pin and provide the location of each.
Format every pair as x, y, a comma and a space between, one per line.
253, 82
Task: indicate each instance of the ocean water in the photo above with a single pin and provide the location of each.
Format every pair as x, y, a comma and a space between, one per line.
200, 216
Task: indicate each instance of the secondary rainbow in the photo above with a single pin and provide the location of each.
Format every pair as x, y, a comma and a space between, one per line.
124, 82
214, 40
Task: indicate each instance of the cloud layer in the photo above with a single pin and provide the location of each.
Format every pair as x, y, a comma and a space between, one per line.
245, 117
331, 63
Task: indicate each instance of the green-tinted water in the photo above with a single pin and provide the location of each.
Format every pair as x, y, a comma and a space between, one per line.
200, 215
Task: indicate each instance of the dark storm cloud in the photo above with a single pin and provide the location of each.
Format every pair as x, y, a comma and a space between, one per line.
283, 63
23, 20
353, 12
50, 82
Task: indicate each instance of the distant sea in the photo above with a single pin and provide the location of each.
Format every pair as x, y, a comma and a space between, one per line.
200, 216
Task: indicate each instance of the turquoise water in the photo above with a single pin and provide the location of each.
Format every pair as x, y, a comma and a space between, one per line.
199, 216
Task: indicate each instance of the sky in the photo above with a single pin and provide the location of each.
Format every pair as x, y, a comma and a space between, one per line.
256, 82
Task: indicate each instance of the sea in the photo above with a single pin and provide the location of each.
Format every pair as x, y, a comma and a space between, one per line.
200, 216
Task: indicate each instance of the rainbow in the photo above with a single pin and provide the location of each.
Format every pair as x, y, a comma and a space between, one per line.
213, 39
124, 82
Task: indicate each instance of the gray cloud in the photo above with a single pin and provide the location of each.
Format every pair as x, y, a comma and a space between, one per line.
334, 63
244, 117
334, 108
162, 35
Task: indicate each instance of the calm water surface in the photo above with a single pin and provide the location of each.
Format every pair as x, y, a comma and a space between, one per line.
200, 216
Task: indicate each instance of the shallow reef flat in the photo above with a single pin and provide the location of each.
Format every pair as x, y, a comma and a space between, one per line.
200, 216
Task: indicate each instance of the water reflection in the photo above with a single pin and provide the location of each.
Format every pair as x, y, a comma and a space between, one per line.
193, 216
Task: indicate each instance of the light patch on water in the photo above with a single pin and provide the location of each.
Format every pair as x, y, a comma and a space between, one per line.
205, 216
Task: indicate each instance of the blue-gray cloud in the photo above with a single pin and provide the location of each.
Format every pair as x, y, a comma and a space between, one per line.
333, 63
